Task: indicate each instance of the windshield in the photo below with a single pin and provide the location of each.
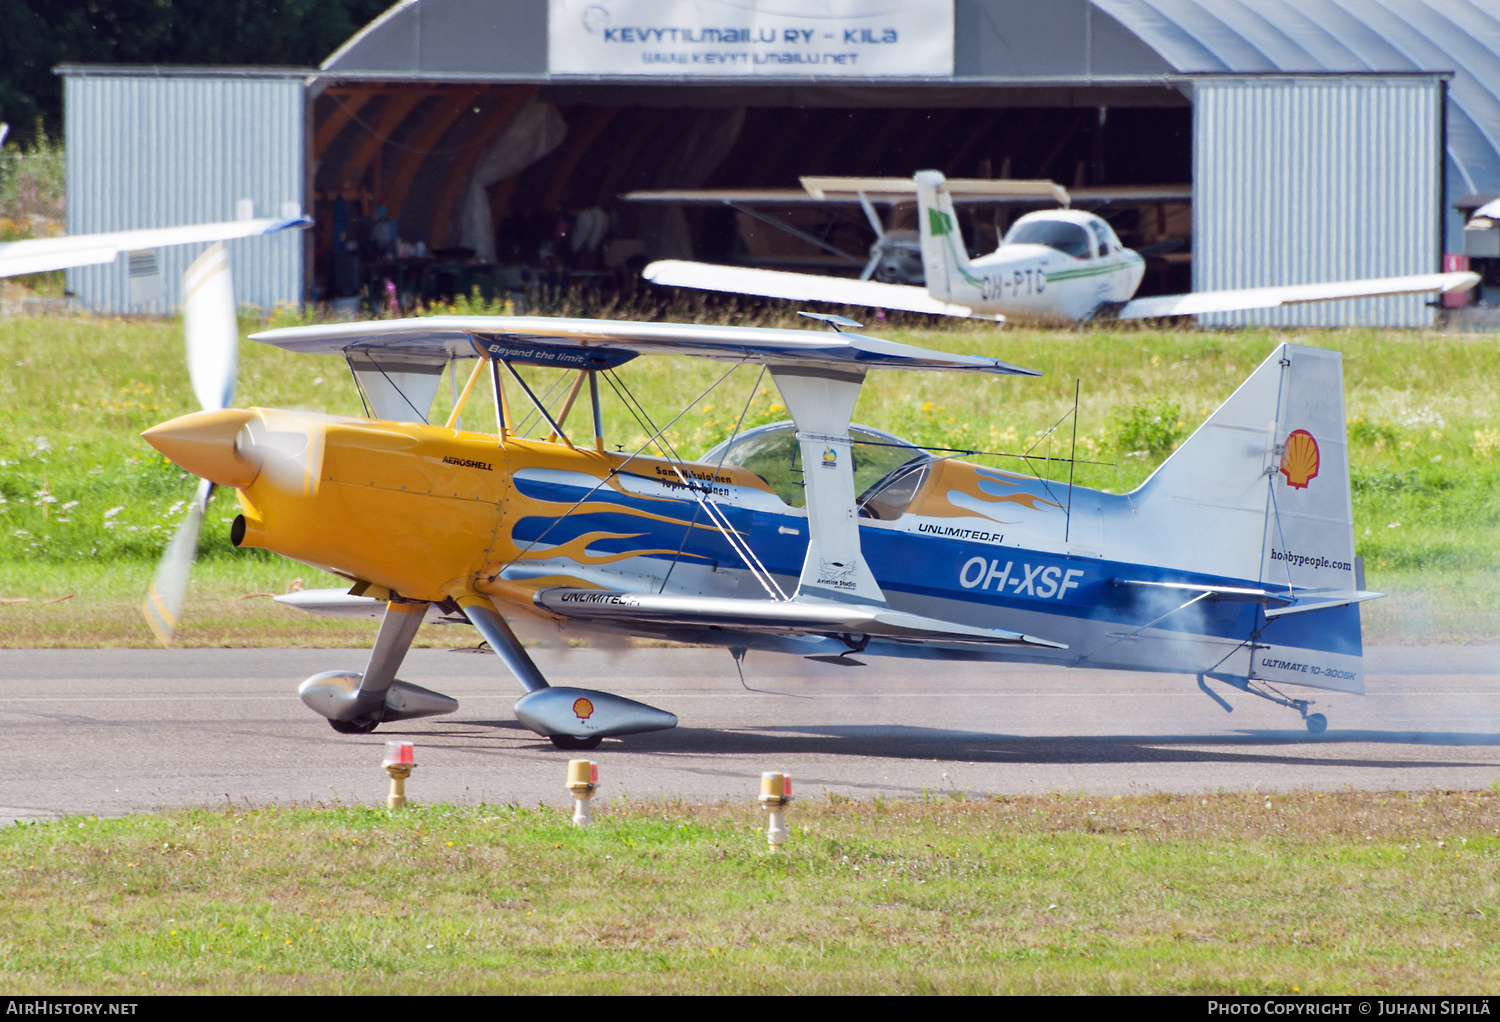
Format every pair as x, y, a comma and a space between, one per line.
772, 453
1069, 239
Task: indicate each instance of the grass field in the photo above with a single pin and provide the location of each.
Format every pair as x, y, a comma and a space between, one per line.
86, 505
1246, 893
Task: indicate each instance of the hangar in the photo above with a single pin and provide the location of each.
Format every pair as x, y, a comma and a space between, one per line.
459, 143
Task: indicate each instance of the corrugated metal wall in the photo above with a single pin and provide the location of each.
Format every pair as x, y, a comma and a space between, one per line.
161, 150
1304, 180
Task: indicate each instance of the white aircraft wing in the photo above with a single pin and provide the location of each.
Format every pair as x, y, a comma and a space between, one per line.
803, 287
40, 255
1271, 297
783, 617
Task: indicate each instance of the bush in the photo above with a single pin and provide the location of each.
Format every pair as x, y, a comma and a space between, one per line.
1153, 427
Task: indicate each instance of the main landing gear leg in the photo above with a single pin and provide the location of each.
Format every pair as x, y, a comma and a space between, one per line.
356, 704
1316, 722
570, 718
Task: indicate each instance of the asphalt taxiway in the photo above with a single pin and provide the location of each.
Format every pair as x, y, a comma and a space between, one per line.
111, 731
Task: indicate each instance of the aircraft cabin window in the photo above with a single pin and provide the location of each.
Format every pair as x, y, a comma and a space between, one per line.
1101, 233
1067, 238
887, 470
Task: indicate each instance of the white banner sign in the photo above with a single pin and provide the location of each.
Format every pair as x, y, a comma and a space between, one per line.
751, 38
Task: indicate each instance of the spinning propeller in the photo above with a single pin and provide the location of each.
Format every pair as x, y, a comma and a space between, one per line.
223, 446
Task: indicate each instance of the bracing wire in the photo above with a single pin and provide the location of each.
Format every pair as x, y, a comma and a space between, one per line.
610, 475
727, 444
752, 562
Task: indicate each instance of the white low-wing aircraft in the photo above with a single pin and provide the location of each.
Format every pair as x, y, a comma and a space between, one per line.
41, 255
1057, 265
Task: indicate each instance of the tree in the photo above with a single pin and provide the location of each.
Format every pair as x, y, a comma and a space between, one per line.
37, 35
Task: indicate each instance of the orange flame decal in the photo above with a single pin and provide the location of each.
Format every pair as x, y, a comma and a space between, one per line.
1299, 460
583, 708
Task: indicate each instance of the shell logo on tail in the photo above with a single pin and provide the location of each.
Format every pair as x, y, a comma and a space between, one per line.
583, 708
1299, 459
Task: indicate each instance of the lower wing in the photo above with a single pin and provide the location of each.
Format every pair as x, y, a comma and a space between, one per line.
777, 617
803, 287
1291, 294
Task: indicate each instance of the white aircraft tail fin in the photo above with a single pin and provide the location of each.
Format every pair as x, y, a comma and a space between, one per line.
1266, 475
1260, 493
944, 258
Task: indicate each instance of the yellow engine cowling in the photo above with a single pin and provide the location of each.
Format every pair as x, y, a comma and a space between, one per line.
412, 508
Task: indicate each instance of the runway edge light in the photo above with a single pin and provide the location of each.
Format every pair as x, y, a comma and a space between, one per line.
583, 781
400, 761
775, 794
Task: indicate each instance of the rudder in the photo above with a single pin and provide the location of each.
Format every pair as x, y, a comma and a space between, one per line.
1260, 493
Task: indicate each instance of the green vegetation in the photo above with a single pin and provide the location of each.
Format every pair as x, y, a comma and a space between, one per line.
86, 506
1243, 893
40, 34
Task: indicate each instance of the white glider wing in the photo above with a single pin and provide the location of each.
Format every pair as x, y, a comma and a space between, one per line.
39, 255
1291, 294
803, 287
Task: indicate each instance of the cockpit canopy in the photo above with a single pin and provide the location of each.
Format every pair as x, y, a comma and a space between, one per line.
888, 471
1065, 232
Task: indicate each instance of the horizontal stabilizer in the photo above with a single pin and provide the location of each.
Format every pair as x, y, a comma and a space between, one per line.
1279, 603
776, 617
1291, 294
803, 287
1321, 599
1229, 594
959, 187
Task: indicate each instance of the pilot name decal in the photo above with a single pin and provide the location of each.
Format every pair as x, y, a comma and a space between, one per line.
448, 459
956, 532
700, 481
1043, 581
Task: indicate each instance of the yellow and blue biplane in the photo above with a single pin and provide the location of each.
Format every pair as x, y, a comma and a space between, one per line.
815, 537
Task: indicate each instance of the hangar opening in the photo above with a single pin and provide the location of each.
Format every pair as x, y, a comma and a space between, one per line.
507, 185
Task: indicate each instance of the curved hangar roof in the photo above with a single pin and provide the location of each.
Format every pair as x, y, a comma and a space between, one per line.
1074, 43
1458, 36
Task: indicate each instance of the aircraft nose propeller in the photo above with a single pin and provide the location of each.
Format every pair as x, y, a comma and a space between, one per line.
221, 445
205, 443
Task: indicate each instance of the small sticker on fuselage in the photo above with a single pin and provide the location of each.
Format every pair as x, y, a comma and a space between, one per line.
448, 459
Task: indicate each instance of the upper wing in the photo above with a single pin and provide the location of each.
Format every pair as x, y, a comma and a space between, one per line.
803, 287
1270, 297
603, 343
40, 255
777, 617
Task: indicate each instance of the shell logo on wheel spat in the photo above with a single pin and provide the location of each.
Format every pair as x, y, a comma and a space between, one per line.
1299, 460
583, 708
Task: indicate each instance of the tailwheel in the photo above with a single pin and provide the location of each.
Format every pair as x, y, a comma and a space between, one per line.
571, 743
1317, 723
354, 727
